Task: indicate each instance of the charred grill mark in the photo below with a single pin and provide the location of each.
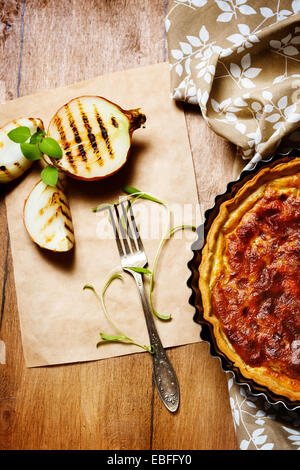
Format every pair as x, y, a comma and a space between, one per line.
65, 214
82, 152
71, 161
58, 205
90, 134
73, 125
104, 133
53, 199
51, 219
64, 203
68, 228
58, 200
114, 122
69, 239
6, 171
59, 127
88, 127
65, 143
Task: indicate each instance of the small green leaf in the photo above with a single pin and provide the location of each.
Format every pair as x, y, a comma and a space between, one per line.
50, 176
37, 137
51, 147
19, 134
123, 339
30, 151
101, 207
139, 270
114, 338
131, 190
89, 286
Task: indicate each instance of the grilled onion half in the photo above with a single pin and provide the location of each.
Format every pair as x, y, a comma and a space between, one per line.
95, 135
47, 218
12, 161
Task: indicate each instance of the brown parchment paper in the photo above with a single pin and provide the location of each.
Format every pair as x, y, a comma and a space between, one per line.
60, 322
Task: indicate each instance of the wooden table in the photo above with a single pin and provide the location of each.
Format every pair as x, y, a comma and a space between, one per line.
109, 404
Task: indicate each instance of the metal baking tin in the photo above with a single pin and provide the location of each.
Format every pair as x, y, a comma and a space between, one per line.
206, 332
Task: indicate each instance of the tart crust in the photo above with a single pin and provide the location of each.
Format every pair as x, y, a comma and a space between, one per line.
260, 335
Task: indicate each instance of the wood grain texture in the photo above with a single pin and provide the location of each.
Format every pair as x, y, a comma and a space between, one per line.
204, 420
109, 404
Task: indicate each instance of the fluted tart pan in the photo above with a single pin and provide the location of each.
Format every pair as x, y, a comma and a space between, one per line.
209, 332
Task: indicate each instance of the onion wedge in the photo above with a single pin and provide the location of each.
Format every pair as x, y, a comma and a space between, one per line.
12, 161
47, 218
95, 135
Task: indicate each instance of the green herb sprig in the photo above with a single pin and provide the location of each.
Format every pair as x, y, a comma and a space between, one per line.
35, 146
133, 194
120, 337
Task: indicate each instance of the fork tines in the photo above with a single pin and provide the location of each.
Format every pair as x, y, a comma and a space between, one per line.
125, 229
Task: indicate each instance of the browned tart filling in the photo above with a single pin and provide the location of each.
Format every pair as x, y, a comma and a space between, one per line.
250, 279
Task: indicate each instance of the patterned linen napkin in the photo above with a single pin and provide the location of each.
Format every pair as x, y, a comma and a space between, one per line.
239, 61
261, 426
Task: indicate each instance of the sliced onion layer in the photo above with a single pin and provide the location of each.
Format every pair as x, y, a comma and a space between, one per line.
12, 162
95, 136
47, 218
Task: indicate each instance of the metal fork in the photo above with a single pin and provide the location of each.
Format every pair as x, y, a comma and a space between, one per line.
132, 255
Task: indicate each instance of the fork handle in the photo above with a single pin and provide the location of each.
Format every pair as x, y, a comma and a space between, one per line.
164, 374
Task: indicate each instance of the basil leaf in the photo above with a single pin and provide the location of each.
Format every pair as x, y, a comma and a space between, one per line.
30, 151
19, 134
37, 137
50, 176
51, 147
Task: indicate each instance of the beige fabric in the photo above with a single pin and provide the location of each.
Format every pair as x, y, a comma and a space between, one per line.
239, 60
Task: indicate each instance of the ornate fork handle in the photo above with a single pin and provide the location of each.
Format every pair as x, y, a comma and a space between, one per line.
164, 374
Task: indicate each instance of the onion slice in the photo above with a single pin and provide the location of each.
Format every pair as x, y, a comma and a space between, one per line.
47, 218
95, 135
12, 161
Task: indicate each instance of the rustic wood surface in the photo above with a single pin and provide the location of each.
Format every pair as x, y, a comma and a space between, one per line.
109, 404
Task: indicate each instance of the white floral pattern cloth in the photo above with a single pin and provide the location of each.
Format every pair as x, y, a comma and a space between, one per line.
261, 426
239, 60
